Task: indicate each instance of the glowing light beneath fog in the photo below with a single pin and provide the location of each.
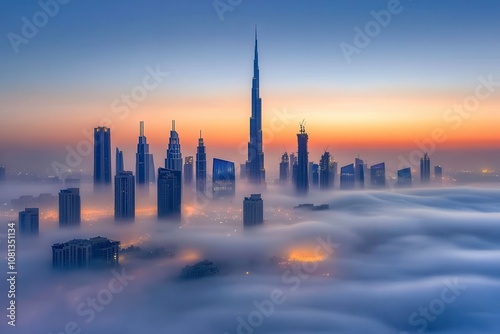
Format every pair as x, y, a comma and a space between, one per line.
306, 254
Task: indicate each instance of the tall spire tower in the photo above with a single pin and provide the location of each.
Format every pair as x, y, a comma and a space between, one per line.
255, 164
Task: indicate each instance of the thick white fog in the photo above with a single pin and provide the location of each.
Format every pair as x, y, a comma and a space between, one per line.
412, 261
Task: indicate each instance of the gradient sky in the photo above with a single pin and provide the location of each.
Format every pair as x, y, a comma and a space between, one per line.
396, 91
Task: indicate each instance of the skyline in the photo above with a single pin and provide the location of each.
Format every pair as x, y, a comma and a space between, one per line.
383, 101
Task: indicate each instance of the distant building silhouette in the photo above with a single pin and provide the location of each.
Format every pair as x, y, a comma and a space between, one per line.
201, 166
152, 170
347, 177
174, 155
169, 193
378, 175
325, 175
315, 175
404, 177
425, 169
201, 269
102, 156
69, 207
359, 172
284, 168
2, 173
334, 166
253, 211
254, 170
188, 170
302, 181
438, 174
86, 253
119, 161
223, 179
293, 168
124, 195
29, 221
143, 160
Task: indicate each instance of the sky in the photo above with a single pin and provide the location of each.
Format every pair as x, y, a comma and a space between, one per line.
398, 88
404, 262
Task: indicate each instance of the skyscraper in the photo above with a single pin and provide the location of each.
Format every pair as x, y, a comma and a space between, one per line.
124, 195
404, 177
302, 182
28, 221
188, 170
119, 161
201, 166
325, 175
347, 177
378, 175
142, 159
255, 164
334, 166
315, 176
169, 193
438, 174
359, 171
293, 168
102, 156
152, 172
223, 179
69, 207
174, 155
284, 168
425, 169
86, 253
253, 211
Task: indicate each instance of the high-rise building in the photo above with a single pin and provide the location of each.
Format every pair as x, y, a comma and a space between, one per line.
325, 174
293, 168
347, 177
102, 156
2, 173
143, 160
377, 173
124, 195
223, 179
174, 155
188, 170
253, 211
169, 193
69, 207
404, 177
315, 176
359, 171
438, 174
28, 221
86, 253
119, 161
152, 170
201, 166
255, 171
334, 166
425, 169
284, 168
302, 182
